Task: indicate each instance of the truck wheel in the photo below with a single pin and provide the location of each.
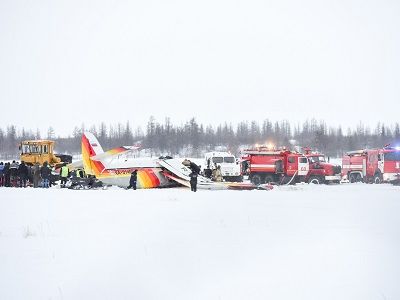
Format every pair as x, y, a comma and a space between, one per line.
377, 179
269, 179
256, 179
314, 180
352, 178
359, 178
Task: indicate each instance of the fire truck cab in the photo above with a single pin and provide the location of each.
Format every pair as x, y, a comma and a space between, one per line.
264, 165
372, 165
321, 171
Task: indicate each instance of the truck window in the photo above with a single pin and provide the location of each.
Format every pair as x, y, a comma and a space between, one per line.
303, 160
25, 149
36, 149
229, 159
392, 156
45, 149
291, 160
217, 160
315, 159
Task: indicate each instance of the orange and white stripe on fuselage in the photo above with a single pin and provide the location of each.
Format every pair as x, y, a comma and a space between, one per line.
115, 170
146, 177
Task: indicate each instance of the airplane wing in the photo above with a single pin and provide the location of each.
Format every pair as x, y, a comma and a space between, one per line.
176, 167
180, 173
177, 179
113, 152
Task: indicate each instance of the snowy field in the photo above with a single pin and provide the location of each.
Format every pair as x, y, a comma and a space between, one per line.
302, 242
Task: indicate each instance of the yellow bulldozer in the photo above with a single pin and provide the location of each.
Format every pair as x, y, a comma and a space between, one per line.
39, 151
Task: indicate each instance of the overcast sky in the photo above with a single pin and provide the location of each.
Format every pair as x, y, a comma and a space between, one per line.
67, 62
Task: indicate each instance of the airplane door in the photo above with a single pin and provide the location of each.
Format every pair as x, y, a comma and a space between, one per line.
304, 166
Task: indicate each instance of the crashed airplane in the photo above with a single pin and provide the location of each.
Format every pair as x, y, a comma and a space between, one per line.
114, 167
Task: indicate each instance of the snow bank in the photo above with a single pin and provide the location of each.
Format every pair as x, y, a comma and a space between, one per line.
294, 242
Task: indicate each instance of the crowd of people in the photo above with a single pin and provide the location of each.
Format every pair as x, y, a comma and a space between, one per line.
17, 174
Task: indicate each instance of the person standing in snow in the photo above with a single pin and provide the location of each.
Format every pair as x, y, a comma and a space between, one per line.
218, 174
52, 177
193, 181
23, 174
1, 174
36, 175
7, 175
64, 172
14, 174
133, 180
45, 173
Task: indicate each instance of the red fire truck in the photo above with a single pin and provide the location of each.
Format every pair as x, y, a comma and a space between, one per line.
320, 170
264, 165
372, 166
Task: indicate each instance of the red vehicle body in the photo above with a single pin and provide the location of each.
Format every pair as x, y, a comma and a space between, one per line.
320, 170
264, 165
375, 165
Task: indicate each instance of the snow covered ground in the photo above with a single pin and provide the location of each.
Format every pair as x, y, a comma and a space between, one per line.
302, 242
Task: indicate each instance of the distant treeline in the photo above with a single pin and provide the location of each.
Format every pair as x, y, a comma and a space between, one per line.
192, 138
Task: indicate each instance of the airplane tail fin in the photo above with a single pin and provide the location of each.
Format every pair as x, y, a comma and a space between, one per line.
91, 147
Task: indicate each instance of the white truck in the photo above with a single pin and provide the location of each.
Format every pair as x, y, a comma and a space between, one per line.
230, 167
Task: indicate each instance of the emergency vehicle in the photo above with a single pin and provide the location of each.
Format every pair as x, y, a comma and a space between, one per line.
264, 165
230, 168
321, 171
372, 165
39, 151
